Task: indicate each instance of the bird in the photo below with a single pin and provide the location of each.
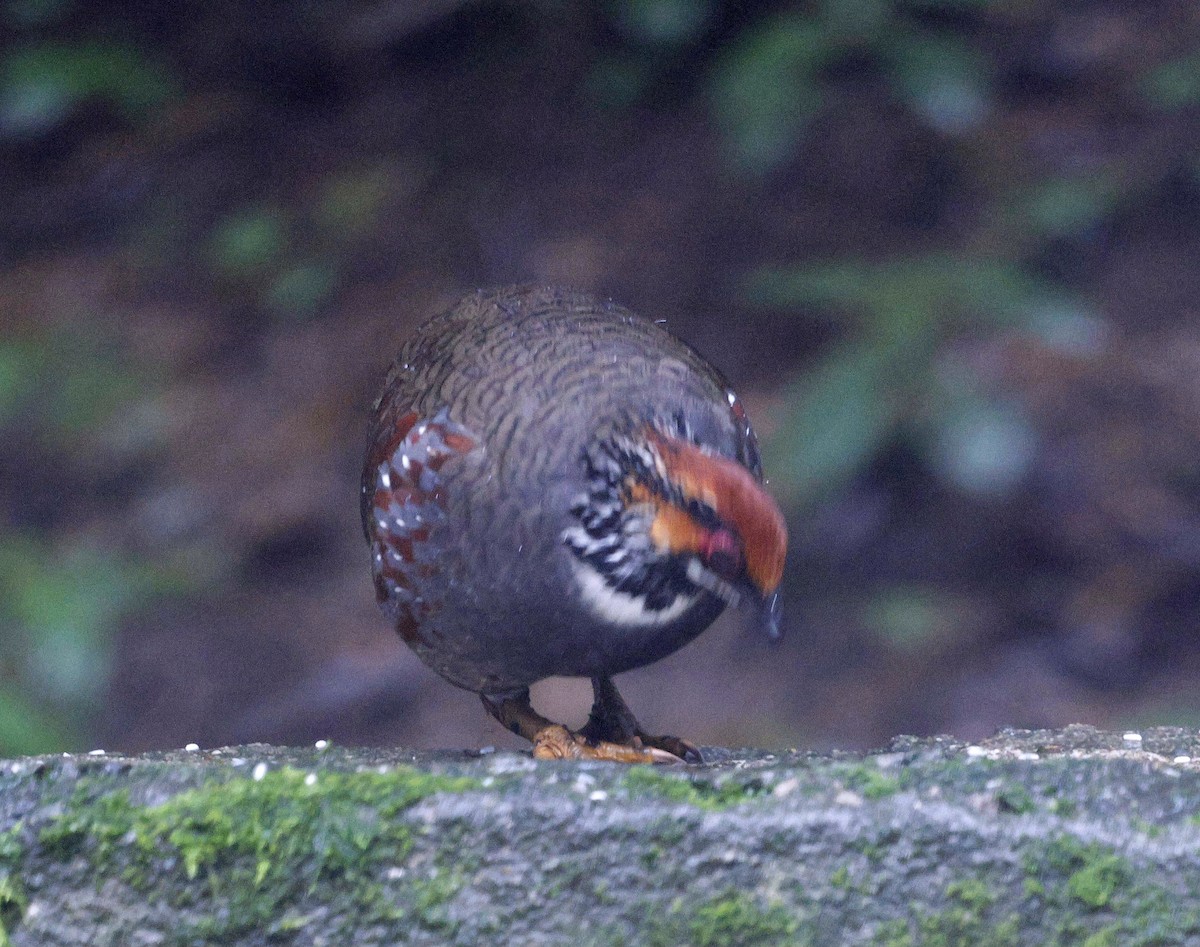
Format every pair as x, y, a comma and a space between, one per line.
556, 486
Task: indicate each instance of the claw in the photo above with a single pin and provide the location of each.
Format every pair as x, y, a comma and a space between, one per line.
678, 748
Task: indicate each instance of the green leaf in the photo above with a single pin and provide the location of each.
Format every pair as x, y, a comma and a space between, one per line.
909, 618
89, 392
65, 608
865, 20
618, 81
40, 85
34, 13
942, 78
836, 417
664, 22
1174, 84
907, 297
301, 290
767, 87
840, 413
248, 242
1062, 207
950, 5
26, 729
351, 202
20, 367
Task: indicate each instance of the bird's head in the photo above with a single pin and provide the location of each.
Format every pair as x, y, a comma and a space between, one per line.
667, 518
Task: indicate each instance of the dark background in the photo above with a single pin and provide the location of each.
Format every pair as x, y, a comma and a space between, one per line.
946, 250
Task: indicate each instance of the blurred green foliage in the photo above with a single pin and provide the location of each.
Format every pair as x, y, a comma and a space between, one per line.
769, 74
663, 22
656, 35
884, 383
59, 608
778, 74
767, 88
25, 14
893, 375
61, 598
67, 395
257, 251
1175, 84
292, 260
351, 202
248, 242
1064, 206
910, 618
41, 85
61, 384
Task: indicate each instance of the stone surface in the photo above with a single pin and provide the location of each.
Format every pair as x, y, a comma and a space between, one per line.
1035, 837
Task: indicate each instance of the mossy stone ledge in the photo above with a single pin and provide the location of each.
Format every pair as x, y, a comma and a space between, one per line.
1073, 836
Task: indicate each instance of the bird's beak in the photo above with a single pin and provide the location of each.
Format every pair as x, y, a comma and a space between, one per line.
770, 616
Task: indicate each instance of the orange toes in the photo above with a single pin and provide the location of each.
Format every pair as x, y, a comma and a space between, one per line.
558, 743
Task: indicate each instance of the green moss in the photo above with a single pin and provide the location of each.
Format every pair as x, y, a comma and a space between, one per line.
736, 920
1094, 873
1015, 800
643, 781
971, 893
965, 922
602, 893
291, 923
840, 878
897, 933
1150, 829
1067, 808
11, 847
870, 782
1107, 937
956, 927
650, 856
876, 847
429, 897
668, 831
572, 875
1091, 895
1097, 881
13, 900
260, 845
12, 906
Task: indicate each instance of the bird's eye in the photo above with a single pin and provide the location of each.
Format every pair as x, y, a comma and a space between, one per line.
722, 554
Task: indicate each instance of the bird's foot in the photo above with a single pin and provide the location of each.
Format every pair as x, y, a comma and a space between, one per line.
676, 746
556, 742
612, 721
611, 733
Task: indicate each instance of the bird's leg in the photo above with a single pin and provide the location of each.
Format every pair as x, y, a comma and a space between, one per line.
552, 741
612, 721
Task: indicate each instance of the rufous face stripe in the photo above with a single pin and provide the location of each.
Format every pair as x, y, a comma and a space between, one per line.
737, 498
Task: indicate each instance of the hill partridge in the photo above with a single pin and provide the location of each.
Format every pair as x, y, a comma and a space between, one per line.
556, 486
